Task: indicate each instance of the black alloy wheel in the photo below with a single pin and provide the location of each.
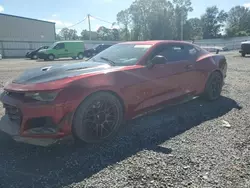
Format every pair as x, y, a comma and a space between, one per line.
214, 86
98, 118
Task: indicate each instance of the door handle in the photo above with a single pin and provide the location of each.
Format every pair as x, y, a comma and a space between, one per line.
188, 67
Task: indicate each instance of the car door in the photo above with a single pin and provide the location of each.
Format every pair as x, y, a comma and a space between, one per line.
195, 76
164, 82
72, 49
60, 50
181, 63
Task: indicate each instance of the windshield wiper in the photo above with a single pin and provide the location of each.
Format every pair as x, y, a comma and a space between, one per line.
108, 60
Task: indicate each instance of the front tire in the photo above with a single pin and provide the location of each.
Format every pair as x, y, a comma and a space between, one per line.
243, 54
213, 87
34, 57
80, 56
51, 57
98, 118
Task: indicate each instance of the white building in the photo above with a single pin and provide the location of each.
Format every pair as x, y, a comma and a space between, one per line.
19, 35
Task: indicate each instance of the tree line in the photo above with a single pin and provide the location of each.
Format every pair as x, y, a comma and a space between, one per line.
102, 33
162, 19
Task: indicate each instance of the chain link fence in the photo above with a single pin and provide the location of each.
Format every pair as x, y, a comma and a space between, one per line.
20, 48
223, 44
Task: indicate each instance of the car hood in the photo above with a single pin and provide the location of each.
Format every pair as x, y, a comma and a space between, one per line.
60, 71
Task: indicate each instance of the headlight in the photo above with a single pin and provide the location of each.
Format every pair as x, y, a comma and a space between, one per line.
42, 96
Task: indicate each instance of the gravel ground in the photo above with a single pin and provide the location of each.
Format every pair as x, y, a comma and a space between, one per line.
181, 146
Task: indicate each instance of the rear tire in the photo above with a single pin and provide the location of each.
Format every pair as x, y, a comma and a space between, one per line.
243, 54
98, 118
213, 87
80, 56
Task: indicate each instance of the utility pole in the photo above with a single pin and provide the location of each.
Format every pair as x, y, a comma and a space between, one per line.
89, 27
181, 24
164, 23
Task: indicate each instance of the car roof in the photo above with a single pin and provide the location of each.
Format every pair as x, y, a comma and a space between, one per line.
246, 42
153, 42
69, 41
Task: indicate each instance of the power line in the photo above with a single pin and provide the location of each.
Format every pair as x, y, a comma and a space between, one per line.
75, 23
78, 22
101, 19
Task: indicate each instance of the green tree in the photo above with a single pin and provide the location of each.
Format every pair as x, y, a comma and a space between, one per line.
152, 19
68, 34
104, 33
193, 29
73, 34
155, 19
64, 33
85, 35
140, 10
115, 34
212, 22
58, 37
181, 10
238, 22
123, 18
160, 20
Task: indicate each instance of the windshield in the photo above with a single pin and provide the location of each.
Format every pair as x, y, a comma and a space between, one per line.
52, 45
122, 54
95, 46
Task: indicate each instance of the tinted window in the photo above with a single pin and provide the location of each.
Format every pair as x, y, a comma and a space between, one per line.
177, 52
200, 51
192, 52
59, 46
106, 46
174, 53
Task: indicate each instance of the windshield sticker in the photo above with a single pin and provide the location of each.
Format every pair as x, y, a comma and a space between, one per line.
142, 46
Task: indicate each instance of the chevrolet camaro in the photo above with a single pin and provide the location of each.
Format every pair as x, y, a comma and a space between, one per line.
90, 100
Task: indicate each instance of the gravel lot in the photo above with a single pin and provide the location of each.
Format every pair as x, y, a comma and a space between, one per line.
181, 146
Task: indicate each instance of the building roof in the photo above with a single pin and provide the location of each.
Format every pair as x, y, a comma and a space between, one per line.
1, 14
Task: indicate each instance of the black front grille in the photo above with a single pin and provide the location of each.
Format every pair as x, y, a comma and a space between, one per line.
13, 113
15, 95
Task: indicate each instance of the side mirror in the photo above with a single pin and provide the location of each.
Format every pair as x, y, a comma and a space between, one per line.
158, 59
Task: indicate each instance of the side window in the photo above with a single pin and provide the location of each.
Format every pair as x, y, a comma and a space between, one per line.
174, 52
99, 47
192, 52
60, 46
178, 52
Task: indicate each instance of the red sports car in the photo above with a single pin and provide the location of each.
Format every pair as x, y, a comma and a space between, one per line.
89, 100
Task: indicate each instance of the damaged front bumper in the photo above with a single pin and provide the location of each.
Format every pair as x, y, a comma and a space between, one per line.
13, 130
35, 123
